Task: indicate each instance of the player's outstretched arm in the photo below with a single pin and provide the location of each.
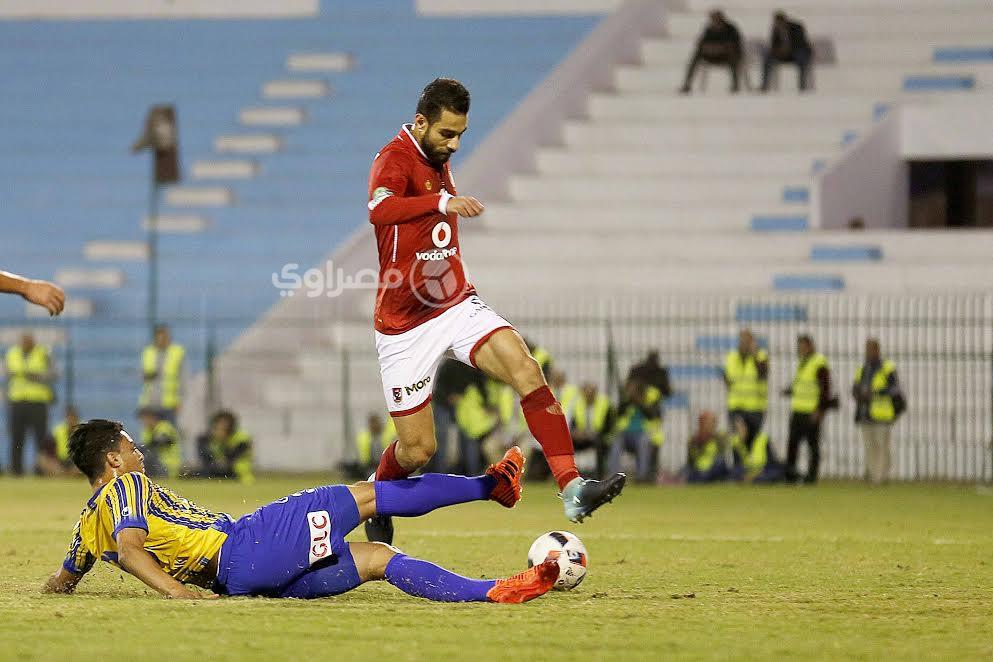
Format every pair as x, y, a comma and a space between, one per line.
39, 292
62, 581
131, 556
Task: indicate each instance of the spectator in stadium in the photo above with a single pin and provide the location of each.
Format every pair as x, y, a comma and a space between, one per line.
810, 398
754, 459
30, 378
591, 419
639, 430
746, 375
476, 421
371, 440
719, 44
60, 436
225, 450
162, 367
160, 443
39, 292
706, 451
787, 43
878, 402
651, 372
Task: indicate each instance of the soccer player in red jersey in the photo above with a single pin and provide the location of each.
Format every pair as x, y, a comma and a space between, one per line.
425, 305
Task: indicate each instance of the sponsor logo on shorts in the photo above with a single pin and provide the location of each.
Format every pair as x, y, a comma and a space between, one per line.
397, 394
414, 388
320, 535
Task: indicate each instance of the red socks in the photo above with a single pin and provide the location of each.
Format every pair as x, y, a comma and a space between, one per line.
547, 423
389, 468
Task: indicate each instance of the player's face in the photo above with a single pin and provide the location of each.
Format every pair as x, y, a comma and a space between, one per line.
131, 457
440, 139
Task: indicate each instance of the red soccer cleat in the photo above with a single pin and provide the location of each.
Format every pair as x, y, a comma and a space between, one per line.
509, 472
528, 585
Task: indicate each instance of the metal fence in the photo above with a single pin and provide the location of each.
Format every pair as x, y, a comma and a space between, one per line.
312, 386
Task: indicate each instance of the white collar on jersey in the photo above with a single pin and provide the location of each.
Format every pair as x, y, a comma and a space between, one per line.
406, 129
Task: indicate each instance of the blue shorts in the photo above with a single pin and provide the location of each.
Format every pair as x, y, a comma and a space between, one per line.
293, 547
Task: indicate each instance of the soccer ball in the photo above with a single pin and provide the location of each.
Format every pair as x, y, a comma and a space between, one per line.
568, 550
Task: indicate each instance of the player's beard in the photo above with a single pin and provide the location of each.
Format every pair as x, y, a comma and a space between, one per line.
438, 155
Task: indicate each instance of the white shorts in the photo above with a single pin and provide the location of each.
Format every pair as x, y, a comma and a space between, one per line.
408, 361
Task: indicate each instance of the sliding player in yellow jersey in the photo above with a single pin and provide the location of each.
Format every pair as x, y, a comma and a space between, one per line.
293, 547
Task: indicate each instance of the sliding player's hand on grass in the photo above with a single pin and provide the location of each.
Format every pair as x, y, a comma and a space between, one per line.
465, 206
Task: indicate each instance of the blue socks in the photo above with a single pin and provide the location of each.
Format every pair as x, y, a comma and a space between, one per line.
426, 580
417, 496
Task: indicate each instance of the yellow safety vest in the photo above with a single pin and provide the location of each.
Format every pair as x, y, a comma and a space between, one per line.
60, 433
600, 409
363, 442
543, 357
164, 390
746, 392
167, 454
881, 408
754, 460
706, 457
241, 467
472, 416
20, 388
806, 389
652, 427
500, 396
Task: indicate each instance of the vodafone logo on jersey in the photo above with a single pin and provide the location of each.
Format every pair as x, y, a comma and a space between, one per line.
441, 236
433, 279
320, 535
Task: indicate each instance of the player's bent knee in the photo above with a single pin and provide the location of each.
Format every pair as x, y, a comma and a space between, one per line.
527, 375
372, 558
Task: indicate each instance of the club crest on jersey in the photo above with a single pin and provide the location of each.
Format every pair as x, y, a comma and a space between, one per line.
397, 394
427, 184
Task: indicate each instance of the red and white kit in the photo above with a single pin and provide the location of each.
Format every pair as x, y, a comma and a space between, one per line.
425, 306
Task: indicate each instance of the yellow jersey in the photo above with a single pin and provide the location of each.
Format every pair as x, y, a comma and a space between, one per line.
182, 536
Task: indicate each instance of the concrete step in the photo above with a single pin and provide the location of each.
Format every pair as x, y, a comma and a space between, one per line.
224, 169
259, 143
579, 188
655, 218
177, 223
664, 107
296, 89
272, 116
113, 250
581, 135
803, 7
328, 62
881, 80
199, 196
686, 162
90, 279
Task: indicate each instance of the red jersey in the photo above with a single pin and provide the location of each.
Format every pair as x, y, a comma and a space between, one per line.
420, 265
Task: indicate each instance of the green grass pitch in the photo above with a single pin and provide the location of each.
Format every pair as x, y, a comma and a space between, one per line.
830, 572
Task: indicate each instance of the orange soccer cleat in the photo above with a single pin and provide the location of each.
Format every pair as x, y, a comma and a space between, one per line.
509, 473
528, 585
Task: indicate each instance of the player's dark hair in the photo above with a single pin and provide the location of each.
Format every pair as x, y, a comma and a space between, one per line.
90, 442
443, 94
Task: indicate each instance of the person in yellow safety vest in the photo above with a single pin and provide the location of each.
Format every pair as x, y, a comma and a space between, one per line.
638, 430
226, 450
160, 443
53, 460
746, 375
30, 376
591, 419
162, 369
706, 451
810, 398
879, 401
372, 440
476, 420
755, 460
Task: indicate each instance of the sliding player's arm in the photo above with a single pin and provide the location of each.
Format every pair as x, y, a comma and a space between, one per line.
39, 292
129, 507
77, 563
133, 558
387, 207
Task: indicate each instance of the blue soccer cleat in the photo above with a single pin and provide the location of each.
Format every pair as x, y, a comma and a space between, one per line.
581, 496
